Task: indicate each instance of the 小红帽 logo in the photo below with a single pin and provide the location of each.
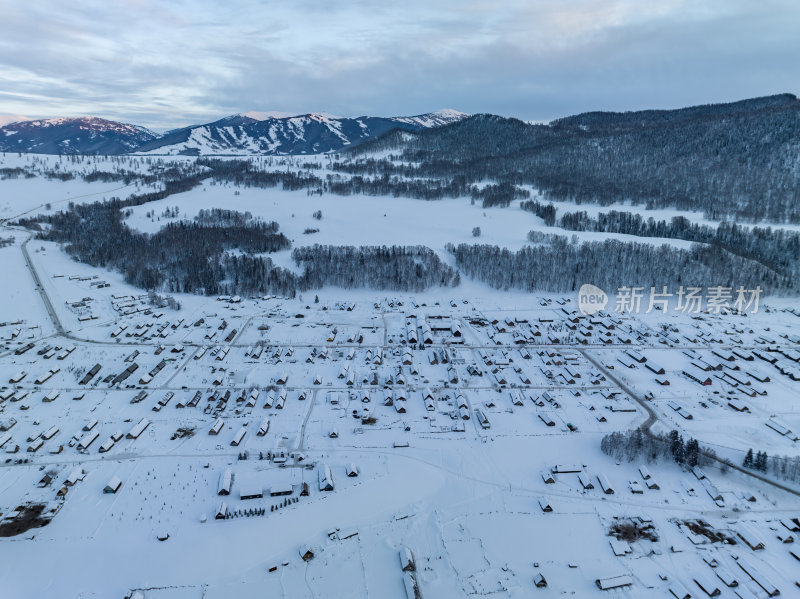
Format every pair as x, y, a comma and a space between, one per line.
591, 299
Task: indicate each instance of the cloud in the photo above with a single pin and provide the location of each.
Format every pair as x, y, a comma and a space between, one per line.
171, 63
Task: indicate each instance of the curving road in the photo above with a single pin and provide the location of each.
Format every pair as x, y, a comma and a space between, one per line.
652, 418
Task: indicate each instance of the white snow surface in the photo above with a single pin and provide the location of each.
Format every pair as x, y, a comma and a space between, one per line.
464, 499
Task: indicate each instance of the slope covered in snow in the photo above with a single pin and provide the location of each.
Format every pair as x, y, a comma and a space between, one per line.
264, 133
83, 135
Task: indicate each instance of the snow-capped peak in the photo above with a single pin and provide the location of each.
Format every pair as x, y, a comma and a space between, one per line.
450, 113
85, 122
277, 114
437, 118
268, 114
80, 135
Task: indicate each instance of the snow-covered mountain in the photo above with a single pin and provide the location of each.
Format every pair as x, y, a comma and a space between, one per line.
268, 133
438, 118
84, 135
263, 115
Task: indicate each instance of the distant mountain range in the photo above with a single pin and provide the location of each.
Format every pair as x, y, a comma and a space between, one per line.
264, 133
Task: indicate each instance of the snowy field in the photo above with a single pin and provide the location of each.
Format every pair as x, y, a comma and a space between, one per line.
273, 447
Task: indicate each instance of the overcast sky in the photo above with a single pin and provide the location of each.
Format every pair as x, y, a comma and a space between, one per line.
173, 63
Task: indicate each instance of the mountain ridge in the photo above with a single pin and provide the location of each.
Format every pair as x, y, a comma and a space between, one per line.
236, 134
275, 133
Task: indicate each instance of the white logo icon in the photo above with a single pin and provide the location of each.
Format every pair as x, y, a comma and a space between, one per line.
591, 299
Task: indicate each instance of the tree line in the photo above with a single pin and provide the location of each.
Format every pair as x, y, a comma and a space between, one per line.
780, 466
561, 266
399, 268
636, 445
778, 249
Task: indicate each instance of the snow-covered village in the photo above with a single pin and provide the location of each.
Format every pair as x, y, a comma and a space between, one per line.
453, 354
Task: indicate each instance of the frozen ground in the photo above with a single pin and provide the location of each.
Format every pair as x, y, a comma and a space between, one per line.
467, 500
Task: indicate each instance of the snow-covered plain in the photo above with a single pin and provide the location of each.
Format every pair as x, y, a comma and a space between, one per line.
466, 499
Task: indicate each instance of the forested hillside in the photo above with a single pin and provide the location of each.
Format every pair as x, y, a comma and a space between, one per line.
739, 160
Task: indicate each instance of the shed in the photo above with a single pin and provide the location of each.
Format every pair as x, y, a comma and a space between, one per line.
281, 490
306, 553
547, 418
697, 376
620, 548
566, 469
225, 482
238, 437
613, 582
216, 427
726, 576
677, 590
251, 491
76, 475
138, 429
758, 577
113, 485
707, 584
87, 440
605, 484
325, 479
585, 481
750, 537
